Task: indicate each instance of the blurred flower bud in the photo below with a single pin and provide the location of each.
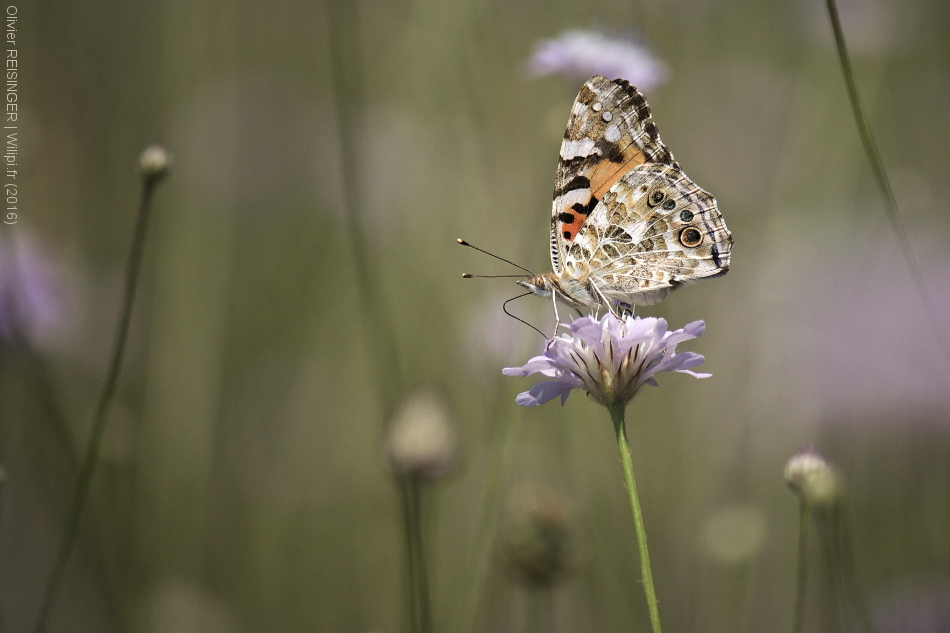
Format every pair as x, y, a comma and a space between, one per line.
813, 479
536, 541
154, 163
421, 439
733, 535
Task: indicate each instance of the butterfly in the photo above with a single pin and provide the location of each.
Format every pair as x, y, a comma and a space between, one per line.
627, 225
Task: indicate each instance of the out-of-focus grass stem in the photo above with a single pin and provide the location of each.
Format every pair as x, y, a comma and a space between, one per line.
412, 558
481, 552
422, 572
617, 412
344, 38
420, 610
880, 177
839, 553
804, 519
91, 456
535, 612
46, 393
540, 616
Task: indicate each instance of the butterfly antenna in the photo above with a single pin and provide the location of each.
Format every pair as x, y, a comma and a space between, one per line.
464, 243
504, 307
471, 276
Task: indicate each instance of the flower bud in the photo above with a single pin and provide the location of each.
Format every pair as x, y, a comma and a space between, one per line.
536, 541
421, 439
813, 479
154, 163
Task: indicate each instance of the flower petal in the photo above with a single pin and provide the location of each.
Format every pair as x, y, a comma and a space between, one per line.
694, 374
540, 364
544, 391
691, 331
678, 362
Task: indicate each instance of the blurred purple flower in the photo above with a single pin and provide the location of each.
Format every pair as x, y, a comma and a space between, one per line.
610, 358
31, 301
580, 54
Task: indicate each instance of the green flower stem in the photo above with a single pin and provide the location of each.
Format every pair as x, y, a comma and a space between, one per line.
91, 456
419, 606
474, 578
804, 520
409, 525
617, 412
841, 535
539, 610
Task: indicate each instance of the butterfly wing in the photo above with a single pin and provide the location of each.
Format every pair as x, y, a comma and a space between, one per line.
654, 230
608, 134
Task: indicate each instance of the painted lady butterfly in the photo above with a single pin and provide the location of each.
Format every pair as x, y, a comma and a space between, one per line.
627, 225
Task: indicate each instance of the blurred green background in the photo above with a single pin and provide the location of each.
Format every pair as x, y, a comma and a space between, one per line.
244, 484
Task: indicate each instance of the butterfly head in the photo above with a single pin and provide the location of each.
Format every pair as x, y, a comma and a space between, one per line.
541, 285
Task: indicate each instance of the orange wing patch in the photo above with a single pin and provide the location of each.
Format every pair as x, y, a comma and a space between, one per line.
607, 172
608, 134
570, 228
603, 176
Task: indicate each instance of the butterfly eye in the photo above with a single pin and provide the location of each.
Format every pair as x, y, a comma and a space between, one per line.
669, 205
656, 197
690, 237
686, 215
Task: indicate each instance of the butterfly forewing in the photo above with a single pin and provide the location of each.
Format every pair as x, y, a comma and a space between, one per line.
608, 134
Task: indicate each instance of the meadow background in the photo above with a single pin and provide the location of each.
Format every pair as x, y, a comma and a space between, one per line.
321, 149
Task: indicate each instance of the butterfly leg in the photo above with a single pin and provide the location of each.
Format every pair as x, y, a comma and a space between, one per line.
557, 317
624, 309
603, 299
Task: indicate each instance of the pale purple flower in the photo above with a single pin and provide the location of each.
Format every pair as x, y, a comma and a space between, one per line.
31, 290
610, 358
580, 54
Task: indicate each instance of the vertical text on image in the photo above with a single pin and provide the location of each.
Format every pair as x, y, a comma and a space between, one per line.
11, 132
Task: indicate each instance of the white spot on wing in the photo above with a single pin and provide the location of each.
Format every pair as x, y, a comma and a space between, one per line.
607, 116
612, 133
580, 147
567, 200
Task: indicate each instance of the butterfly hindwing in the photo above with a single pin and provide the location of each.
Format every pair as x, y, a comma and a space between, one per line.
654, 230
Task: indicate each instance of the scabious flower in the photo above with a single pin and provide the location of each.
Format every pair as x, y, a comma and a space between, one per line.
610, 358
578, 54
